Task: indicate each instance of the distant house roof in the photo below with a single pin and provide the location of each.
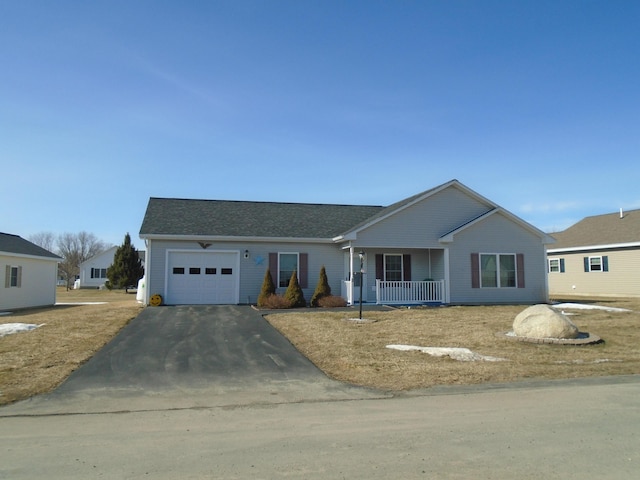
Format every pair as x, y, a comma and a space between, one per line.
611, 229
15, 245
224, 218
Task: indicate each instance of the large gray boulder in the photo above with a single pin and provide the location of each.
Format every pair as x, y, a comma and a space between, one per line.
542, 321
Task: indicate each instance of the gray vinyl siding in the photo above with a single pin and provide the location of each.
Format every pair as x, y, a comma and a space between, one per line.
622, 279
422, 224
252, 271
497, 234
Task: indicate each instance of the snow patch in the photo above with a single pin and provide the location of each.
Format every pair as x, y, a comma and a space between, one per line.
10, 328
582, 306
82, 303
456, 353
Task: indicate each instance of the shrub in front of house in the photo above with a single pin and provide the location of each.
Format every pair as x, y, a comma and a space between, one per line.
332, 301
275, 302
294, 292
322, 288
268, 289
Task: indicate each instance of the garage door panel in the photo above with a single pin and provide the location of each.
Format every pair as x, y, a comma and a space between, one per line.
203, 278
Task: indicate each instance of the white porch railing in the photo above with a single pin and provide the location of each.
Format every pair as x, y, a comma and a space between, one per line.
404, 293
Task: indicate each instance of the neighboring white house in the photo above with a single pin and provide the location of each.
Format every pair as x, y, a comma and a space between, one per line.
30, 274
447, 245
93, 271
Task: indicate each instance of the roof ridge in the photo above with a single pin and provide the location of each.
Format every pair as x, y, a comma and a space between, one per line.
269, 202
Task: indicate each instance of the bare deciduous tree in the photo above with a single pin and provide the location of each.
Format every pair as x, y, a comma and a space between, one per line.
46, 240
75, 248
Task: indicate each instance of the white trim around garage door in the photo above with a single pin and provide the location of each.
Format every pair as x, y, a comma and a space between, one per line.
196, 277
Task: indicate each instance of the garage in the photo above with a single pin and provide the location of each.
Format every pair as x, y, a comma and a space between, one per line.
203, 278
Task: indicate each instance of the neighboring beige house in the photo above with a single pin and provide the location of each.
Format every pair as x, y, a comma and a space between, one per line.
599, 255
29, 274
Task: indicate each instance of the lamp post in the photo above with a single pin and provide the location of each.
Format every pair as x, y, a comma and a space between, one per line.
361, 255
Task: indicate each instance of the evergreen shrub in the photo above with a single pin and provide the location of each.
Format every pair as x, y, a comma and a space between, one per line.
322, 288
268, 289
294, 293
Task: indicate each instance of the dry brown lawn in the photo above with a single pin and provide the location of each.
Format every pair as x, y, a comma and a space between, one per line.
39, 360
356, 352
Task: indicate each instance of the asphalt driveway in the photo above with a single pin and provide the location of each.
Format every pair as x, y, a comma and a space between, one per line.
188, 356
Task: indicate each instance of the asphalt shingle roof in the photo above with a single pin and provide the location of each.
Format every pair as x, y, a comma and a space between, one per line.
14, 244
607, 229
174, 216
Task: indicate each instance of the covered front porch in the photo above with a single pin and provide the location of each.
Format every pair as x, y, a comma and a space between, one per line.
396, 276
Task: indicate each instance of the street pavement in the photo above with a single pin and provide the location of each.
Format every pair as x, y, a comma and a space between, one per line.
215, 392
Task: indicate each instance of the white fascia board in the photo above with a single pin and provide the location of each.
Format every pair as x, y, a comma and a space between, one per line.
223, 238
610, 246
345, 238
31, 257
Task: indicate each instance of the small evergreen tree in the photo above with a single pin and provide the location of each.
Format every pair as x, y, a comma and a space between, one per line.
127, 267
322, 288
268, 289
294, 294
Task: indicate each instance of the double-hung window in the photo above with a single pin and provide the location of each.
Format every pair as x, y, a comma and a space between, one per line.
13, 276
98, 273
556, 265
596, 264
393, 267
287, 264
498, 270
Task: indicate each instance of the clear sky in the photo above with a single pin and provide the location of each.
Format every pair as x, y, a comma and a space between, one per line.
103, 104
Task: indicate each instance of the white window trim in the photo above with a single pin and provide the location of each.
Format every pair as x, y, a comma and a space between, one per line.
601, 263
556, 259
9, 276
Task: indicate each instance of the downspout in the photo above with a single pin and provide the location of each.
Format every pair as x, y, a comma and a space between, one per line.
147, 264
546, 276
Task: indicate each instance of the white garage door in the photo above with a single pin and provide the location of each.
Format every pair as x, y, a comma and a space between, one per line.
203, 278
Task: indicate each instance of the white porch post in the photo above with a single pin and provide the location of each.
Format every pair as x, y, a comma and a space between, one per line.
447, 289
351, 293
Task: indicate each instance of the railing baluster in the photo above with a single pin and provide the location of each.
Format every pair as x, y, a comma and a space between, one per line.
401, 292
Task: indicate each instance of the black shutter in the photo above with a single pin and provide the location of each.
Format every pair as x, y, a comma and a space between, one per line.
586, 264
520, 270
379, 266
273, 267
475, 270
406, 268
303, 274
605, 263
562, 265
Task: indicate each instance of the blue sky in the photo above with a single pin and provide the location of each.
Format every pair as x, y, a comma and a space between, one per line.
103, 104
